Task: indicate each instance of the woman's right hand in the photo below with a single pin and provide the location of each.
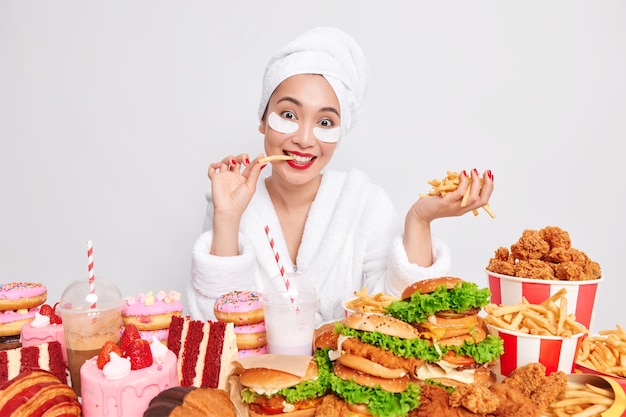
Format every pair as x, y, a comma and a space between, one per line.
233, 183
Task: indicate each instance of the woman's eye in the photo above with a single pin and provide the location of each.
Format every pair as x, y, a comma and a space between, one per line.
326, 123
288, 115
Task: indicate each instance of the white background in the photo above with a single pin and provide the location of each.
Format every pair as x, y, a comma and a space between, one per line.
110, 113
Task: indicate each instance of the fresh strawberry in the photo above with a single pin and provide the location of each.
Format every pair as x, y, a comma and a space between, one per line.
129, 335
45, 310
105, 353
55, 318
139, 354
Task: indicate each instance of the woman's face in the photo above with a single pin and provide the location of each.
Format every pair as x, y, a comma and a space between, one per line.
302, 120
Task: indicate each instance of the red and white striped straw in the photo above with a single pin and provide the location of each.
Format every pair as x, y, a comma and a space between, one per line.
277, 258
92, 283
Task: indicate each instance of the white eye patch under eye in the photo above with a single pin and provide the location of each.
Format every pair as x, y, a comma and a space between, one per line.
281, 125
327, 135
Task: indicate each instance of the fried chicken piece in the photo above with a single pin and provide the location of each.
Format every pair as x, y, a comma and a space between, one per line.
593, 270
512, 403
570, 271
530, 246
534, 268
551, 388
378, 355
556, 237
501, 267
527, 378
476, 398
435, 401
332, 406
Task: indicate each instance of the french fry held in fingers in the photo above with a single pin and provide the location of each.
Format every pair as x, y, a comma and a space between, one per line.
549, 318
275, 158
450, 183
582, 400
366, 303
605, 352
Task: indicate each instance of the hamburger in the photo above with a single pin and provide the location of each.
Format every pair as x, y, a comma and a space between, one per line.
372, 366
273, 392
445, 311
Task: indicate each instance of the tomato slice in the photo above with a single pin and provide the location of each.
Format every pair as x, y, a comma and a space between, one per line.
454, 359
271, 410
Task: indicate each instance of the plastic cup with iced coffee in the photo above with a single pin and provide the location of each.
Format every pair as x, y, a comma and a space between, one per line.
91, 316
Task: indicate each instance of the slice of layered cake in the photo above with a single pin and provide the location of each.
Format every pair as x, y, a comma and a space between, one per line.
46, 356
206, 351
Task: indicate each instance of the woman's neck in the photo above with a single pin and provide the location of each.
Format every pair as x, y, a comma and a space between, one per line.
290, 197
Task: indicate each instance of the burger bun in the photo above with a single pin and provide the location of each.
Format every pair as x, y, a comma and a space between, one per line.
426, 286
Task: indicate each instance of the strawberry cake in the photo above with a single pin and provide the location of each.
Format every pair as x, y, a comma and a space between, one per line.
123, 378
45, 327
151, 313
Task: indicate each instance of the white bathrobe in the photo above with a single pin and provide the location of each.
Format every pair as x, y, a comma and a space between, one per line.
352, 239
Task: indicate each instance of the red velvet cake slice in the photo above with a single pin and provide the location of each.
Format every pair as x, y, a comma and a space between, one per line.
46, 356
205, 350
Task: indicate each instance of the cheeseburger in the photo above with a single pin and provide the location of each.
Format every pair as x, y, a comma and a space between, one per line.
445, 312
373, 363
271, 392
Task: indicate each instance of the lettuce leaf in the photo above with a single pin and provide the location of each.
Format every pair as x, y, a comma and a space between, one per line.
485, 351
460, 298
380, 403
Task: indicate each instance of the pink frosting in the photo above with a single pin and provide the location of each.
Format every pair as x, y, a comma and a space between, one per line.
31, 336
17, 290
238, 301
160, 334
9, 316
242, 353
127, 396
250, 328
148, 304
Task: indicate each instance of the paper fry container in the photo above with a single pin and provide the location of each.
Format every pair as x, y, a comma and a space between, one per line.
554, 352
581, 295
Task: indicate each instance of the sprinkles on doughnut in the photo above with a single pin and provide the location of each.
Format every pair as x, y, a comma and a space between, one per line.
239, 307
22, 295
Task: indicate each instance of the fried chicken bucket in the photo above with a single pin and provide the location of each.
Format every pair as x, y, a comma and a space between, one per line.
554, 352
581, 295
541, 263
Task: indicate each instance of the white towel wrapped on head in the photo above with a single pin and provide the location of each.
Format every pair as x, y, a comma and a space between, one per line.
327, 51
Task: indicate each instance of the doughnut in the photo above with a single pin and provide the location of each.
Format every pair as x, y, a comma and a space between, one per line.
11, 321
239, 307
251, 352
151, 312
250, 336
22, 295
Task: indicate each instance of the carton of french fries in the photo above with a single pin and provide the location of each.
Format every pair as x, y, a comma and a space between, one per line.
545, 332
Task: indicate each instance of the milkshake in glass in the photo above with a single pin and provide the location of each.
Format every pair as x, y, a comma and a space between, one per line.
90, 318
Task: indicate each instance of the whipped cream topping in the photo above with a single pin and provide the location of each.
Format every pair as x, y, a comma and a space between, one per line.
116, 368
158, 349
40, 321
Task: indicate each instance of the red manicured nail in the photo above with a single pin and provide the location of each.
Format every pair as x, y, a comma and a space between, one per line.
263, 166
247, 161
233, 162
475, 171
464, 173
490, 174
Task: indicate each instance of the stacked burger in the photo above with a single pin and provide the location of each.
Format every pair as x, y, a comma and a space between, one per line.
433, 334
445, 311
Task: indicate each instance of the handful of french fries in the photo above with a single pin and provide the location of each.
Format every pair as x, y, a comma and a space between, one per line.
581, 400
366, 303
549, 318
605, 352
450, 183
